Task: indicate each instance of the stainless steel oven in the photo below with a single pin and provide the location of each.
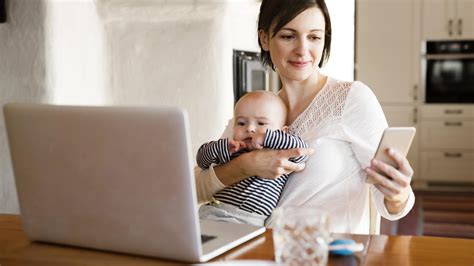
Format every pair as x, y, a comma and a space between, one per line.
448, 71
249, 73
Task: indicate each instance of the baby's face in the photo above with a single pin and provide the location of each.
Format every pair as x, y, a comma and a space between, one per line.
256, 115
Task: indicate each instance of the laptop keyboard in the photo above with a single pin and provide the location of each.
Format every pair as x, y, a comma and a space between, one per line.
205, 238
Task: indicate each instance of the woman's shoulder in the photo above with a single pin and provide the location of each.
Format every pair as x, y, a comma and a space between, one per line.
341, 84
352, 89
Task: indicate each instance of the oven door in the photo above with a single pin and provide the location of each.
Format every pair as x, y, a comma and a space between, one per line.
449, 79
249, 73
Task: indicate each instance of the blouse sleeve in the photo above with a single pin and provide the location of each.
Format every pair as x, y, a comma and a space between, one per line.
364, 123
207, 183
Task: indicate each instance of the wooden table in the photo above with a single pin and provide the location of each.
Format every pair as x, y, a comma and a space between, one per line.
15, 249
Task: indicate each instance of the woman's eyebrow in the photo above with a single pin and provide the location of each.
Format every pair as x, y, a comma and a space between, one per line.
293, 30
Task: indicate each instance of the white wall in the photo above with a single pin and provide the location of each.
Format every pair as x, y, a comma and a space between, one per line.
75, 53
341, 60
22, 77
172, 54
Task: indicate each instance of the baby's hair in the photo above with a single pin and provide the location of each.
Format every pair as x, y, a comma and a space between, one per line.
270, 95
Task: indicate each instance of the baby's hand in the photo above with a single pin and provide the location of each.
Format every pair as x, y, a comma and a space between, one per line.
236, 146
257, 141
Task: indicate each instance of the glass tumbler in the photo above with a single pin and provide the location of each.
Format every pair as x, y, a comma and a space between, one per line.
301, 236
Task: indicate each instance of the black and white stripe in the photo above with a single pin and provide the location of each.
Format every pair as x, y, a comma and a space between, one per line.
253, 194
216, 152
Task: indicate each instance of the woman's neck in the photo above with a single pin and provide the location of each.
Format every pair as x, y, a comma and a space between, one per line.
298, 95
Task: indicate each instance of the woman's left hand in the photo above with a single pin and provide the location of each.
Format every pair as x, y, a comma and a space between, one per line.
393, 182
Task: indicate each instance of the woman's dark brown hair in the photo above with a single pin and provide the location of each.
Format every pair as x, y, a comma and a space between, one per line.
278, 13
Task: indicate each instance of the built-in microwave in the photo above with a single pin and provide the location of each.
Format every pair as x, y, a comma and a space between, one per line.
448, 71
249, 73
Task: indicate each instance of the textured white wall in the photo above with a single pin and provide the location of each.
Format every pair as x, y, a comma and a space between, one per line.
143, 52
22, 77
172, 54
75, 53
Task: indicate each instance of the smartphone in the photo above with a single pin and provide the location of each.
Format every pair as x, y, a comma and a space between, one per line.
397, 138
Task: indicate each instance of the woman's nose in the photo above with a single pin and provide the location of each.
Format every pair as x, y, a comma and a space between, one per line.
301, 46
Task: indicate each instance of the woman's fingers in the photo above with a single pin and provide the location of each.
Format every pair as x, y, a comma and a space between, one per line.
289, 166
388, 193
291, 153
401, 161
379, 180
389, 172
273, 163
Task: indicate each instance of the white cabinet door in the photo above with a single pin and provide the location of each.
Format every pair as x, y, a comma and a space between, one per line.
447, 19
447, 134
438, 19
464, 24
385, 48
445, 166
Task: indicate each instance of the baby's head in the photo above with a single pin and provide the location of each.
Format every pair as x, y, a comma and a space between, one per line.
257, 111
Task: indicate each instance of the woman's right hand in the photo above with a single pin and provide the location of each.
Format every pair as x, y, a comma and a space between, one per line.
271, 164
265, 163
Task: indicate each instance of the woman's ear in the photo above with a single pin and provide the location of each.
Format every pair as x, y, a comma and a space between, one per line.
263, 39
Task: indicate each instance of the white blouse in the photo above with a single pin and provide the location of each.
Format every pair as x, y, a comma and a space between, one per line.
343, 124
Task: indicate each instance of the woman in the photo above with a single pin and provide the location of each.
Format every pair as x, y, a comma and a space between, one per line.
341, 121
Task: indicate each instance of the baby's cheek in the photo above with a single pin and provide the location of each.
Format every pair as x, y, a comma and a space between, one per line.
237, 135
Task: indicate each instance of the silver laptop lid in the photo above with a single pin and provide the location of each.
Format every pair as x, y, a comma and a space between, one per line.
112, 178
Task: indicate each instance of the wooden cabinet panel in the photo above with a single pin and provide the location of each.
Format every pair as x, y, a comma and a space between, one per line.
447, 134
385, 50
464, 25
447, 19
437, 19
456, 111
448, 166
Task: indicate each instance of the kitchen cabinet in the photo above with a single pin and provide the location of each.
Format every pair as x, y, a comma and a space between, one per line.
447, 19
387, 49
447, 143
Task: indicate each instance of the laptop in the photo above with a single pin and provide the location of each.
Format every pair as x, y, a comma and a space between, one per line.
113, 178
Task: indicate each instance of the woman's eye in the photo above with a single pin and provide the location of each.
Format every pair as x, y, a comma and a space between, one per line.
314, 38
287, 37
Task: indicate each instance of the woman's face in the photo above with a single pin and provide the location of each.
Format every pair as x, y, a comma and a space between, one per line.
297, 48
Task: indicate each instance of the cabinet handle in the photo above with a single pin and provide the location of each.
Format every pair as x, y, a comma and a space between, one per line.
453, 124
451, 112
415, 92
450, 27
460, 26
453, 154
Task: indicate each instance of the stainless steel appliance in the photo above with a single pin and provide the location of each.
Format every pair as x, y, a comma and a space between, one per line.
249, 73
448, 71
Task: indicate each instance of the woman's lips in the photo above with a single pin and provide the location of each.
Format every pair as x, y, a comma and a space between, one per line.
299, 64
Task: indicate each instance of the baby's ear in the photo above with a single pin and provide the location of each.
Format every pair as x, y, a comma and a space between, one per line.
285, 129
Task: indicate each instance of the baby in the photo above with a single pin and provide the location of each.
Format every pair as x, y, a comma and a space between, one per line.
259, 122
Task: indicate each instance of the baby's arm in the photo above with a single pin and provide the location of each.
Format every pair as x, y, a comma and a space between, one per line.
279, 140
213, 152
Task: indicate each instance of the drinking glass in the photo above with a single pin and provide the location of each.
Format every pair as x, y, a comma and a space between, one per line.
301, 236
